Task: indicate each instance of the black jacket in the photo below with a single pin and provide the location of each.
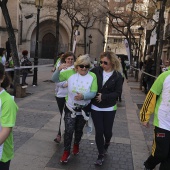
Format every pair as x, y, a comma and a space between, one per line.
111, 89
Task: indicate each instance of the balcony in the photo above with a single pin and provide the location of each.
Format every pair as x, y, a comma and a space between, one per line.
167, 31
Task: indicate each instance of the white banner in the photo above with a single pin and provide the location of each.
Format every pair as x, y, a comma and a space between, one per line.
75, 40
127, 49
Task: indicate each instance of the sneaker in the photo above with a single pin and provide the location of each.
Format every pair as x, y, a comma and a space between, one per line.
57, 139
76, 149
65, 157
99, 160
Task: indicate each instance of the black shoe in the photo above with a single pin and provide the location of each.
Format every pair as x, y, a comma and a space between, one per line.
99, 160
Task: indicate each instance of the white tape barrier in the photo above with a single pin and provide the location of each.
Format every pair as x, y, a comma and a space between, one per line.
143, 72
21, 67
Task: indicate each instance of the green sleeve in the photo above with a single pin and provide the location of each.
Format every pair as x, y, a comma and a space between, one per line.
158, 84
8, 117
57, 62
64, 75
94, 86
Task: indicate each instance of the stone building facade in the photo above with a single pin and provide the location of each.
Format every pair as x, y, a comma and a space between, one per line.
23, 15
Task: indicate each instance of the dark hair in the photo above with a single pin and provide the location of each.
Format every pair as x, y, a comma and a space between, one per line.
25, 52
1, 51
6, 82
67, 54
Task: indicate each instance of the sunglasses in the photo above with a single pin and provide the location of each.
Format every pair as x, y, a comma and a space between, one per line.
104, 62
82, 66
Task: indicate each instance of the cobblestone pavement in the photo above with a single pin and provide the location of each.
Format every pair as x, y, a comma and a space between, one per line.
37, 124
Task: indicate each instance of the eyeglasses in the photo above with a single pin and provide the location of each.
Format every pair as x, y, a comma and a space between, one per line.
104, 62
82, 66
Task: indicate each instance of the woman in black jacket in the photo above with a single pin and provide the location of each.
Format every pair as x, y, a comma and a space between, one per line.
104, 106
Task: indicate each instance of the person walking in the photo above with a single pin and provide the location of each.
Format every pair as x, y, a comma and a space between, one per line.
61, 87
82, 87
158, 102
109, 80
25, 62
7, 121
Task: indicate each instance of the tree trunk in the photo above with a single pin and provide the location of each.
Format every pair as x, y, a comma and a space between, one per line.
12, 41
85, 40
160, 33
59, 7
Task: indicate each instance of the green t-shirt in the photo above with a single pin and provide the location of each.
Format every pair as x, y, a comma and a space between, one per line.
78, 84
8, 110
161, 88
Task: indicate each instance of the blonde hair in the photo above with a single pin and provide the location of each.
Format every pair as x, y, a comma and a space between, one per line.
83, 59
115, 62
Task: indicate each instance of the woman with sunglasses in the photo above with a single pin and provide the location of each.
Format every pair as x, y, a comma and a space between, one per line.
82, 87
67, 61
109, 80
8, 110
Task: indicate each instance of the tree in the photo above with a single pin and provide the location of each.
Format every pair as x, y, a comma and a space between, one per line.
59, 8
85, 12
12, 40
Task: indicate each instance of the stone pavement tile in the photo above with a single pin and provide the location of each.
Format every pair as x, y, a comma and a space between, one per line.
20, 138
32, 120
40, 148
120, 140
28, 162
119, 158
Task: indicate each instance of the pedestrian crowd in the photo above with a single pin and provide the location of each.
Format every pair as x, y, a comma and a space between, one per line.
86, 91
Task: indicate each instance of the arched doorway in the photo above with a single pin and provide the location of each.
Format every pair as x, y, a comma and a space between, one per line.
48, 46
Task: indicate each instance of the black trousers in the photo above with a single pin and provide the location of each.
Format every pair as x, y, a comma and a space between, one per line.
24, 76
103, 123
61, 103
4, 165
72, 125
160, 150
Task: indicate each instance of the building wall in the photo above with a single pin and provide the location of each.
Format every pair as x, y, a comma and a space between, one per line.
25, 29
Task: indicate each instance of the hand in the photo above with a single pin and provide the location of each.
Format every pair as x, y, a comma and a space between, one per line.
65, 85
53, 69
99, 97
79, 96
146, 124
62, 66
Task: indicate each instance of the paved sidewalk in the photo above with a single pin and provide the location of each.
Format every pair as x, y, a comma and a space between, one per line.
37, 124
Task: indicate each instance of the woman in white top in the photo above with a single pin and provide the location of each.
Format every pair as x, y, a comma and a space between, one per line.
82, 87
109, 80
66, 62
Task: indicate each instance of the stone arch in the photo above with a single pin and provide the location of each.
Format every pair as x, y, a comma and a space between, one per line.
44, 29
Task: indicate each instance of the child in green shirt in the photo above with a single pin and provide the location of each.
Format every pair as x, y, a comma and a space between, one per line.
7, 121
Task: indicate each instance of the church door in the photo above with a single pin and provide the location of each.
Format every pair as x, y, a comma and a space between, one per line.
48, 46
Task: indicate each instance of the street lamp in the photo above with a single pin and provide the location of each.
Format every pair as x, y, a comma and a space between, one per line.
90, 42
108, 48
76, 33
38, 4
104, 42
140, 30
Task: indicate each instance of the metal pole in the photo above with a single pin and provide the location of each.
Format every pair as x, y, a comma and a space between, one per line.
36, 50
89, 46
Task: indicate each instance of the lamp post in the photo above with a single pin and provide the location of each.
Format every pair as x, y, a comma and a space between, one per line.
140, 30
104, 42
108, 48
90, 42
76, 33
38, 4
